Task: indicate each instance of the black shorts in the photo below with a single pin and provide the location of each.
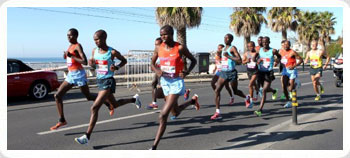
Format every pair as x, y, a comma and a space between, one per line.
229, 75
104, 84
266, 76
250, 73
314, 71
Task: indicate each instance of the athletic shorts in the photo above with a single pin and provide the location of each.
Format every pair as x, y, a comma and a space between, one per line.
314, 71
229, 75
250, 73
77, 77
265, 76
107, 83
172, 85
217, 73
292, 74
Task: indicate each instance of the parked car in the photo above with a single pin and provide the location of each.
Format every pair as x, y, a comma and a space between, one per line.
22, 80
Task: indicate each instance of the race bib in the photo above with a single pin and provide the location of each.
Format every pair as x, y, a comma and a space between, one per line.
314, 62
224, 62
69, 61
266, 63
102, 67
251, 65
168, 69
284, 60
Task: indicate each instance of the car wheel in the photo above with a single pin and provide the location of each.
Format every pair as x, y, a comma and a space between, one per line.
39, 90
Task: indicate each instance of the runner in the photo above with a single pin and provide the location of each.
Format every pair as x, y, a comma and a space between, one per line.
155, 83
257, 48
315, 55
289, 73
171, 77
282, 97
265, 63
217, 71
76, 76
102, 59
229, 58
250, 58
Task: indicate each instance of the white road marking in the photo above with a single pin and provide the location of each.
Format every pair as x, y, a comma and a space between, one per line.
99, 122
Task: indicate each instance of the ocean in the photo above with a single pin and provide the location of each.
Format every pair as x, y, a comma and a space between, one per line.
42, 60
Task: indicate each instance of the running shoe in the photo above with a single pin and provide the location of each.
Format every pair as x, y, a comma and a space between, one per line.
248, 103
290, 95
196, 104
318, 97
58, 125
137, 101
322, 89
288, 105
260, 92
152, 106
232, 101
216, 116
187, 94
257, 113
111, 109
274, 95
282, 97
82, 140
173, 117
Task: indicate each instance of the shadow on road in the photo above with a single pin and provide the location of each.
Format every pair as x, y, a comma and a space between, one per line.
262, 137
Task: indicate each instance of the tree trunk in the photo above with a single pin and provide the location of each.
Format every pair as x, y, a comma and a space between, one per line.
181, 38
246, 40
284, 34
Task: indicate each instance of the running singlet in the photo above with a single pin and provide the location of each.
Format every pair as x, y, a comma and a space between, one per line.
226, 63
251, 64
267, 60
287, 60
71, 63
103, 63
170, 61
315, 59
218, 63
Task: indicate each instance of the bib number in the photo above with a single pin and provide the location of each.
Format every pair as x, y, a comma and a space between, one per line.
284, 60
266, 63
314, 62
102, 67
69, 61
251, 65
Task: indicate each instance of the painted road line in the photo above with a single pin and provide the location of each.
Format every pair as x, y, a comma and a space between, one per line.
99, 122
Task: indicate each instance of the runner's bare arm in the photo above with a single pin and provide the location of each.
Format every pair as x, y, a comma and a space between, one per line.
92, 60
81, 53
307, 57
153, 62
244, 58
298, 57
324, 53
123, 61
275, 52
237, 57
184, 51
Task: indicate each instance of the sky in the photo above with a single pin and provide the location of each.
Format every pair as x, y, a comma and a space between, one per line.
42, 32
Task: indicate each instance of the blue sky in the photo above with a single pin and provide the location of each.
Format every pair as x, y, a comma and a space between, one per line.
41, 32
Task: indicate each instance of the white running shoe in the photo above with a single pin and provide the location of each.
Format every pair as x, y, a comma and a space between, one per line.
137, 101
288, 105
82, 140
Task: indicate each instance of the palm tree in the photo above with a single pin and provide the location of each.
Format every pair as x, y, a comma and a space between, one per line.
247, 21
283, 18
308, 28
327, 21
180, 18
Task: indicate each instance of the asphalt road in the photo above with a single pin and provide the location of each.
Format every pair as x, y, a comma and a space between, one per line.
320, 123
